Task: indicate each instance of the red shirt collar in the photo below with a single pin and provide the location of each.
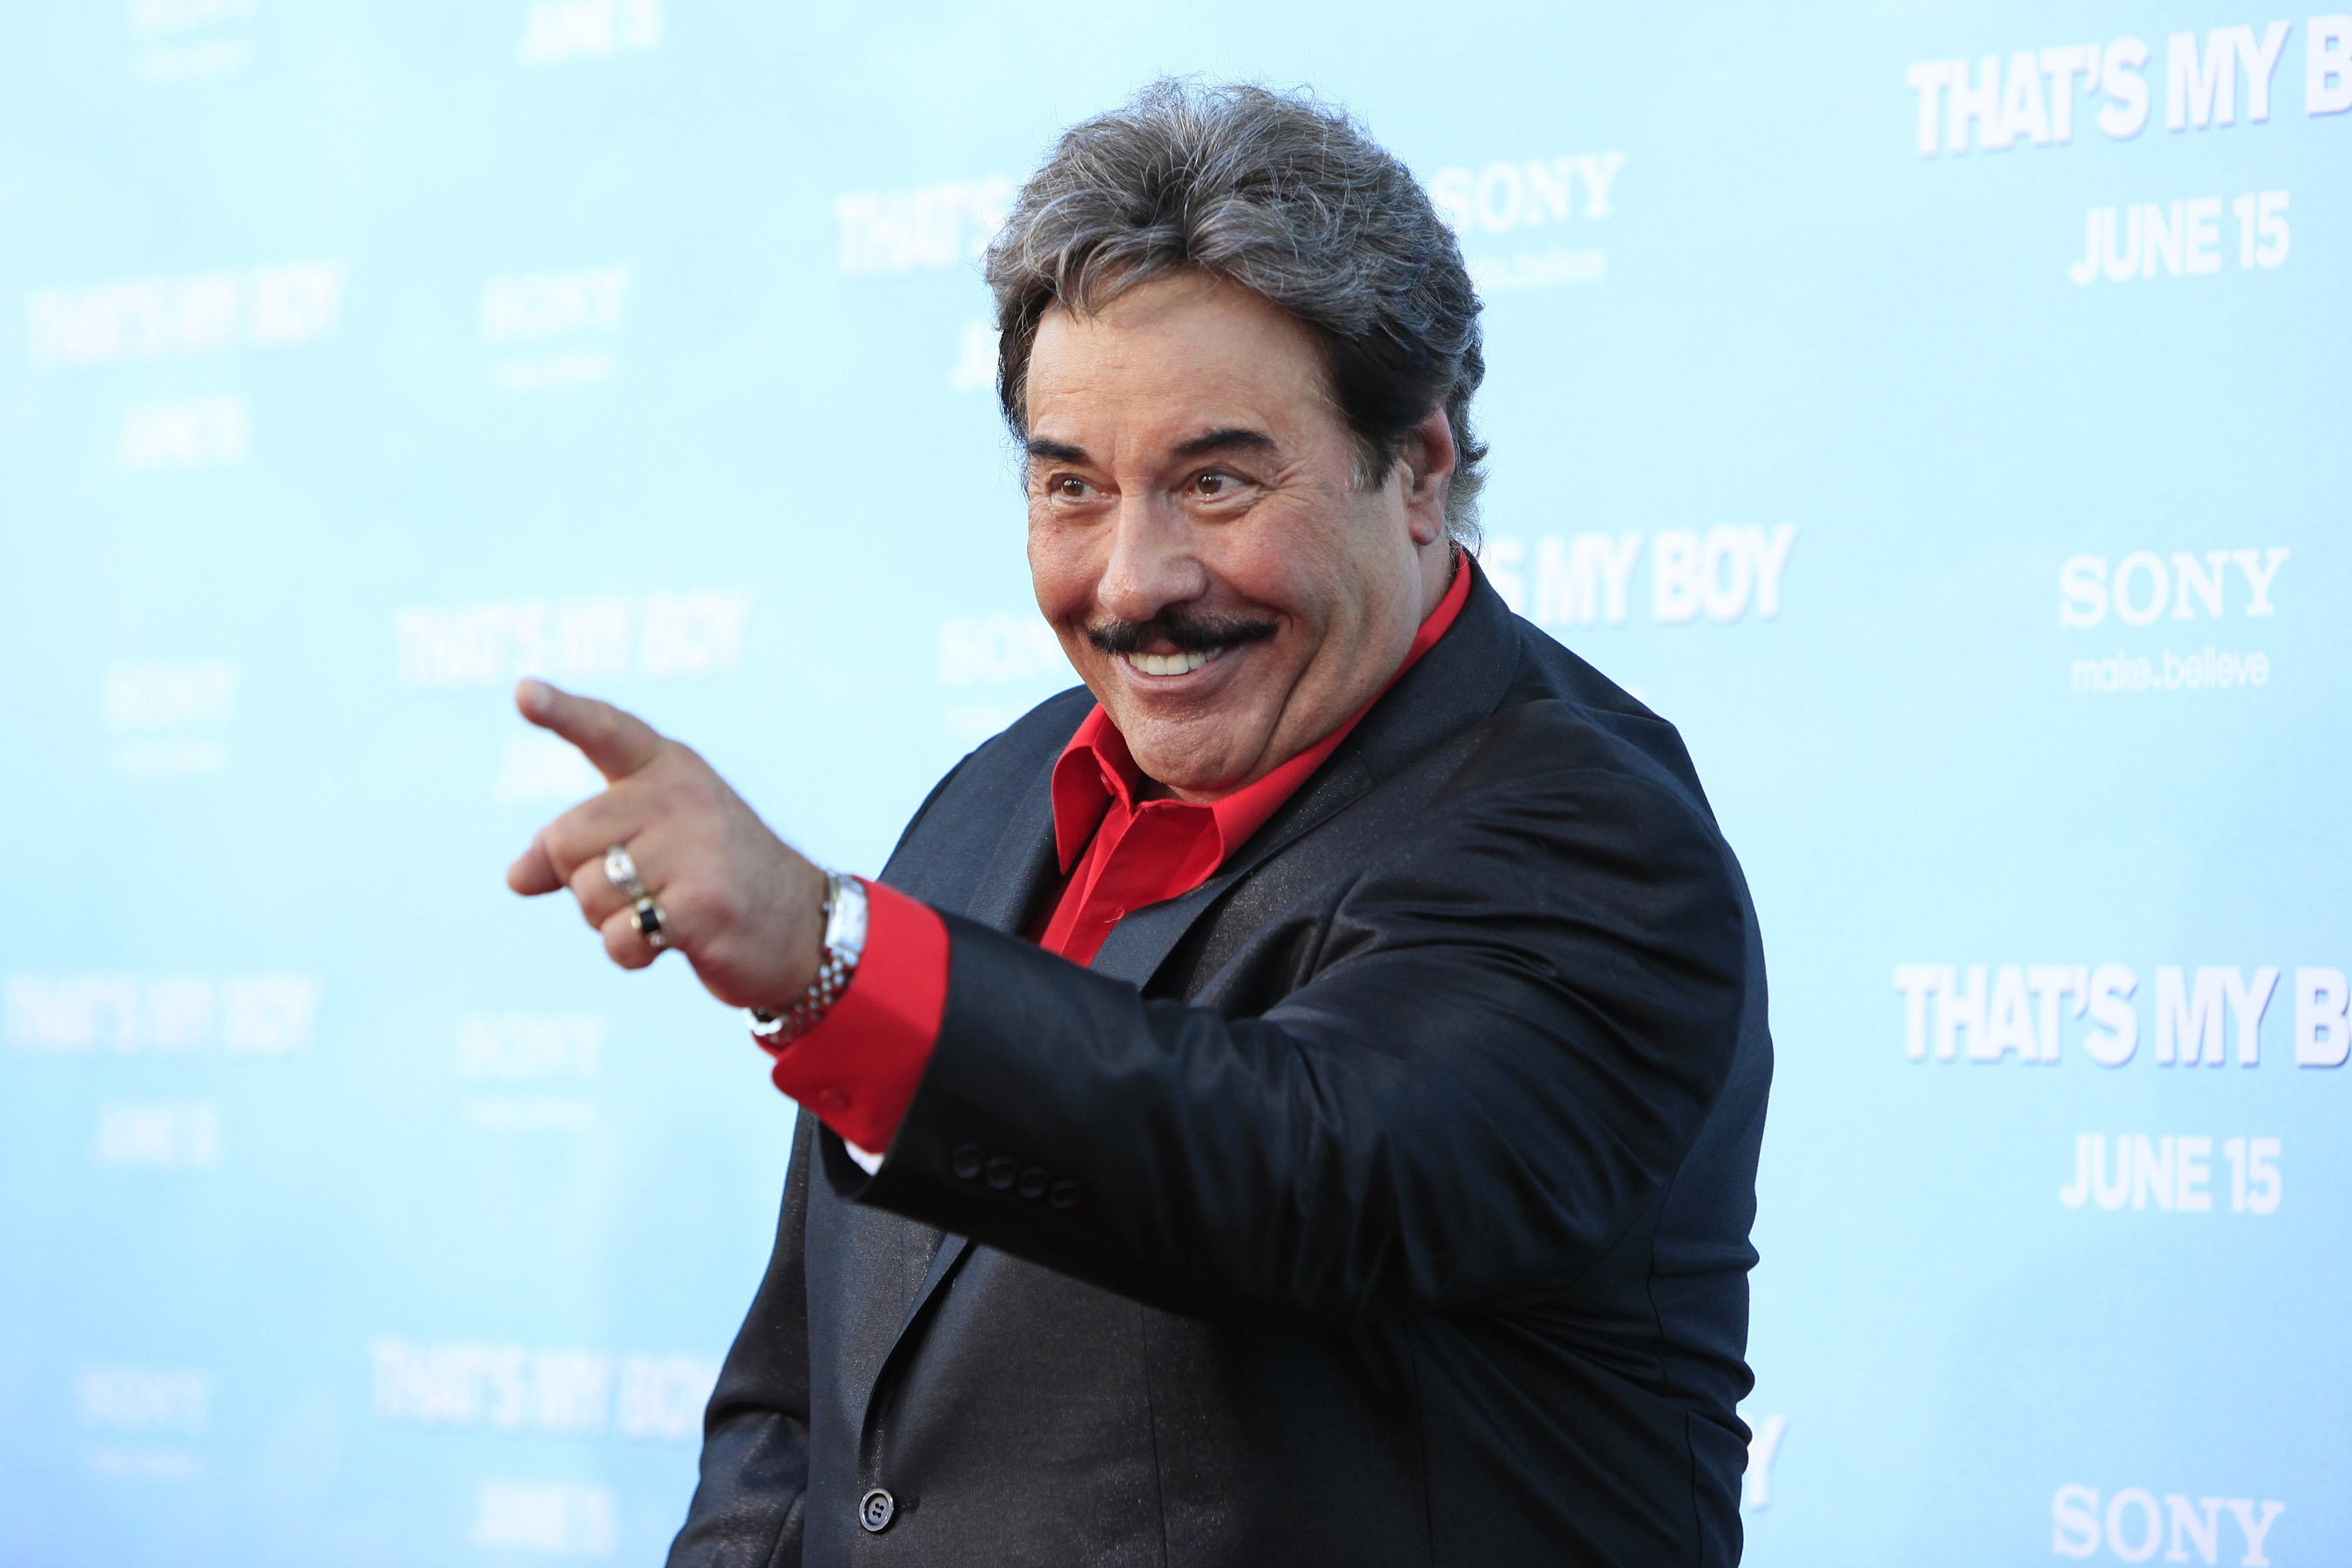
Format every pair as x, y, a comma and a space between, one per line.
1096, 770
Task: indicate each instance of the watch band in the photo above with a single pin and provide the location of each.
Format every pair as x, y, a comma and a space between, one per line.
844, 942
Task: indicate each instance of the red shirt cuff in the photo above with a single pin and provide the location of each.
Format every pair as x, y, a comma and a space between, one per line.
857, 1070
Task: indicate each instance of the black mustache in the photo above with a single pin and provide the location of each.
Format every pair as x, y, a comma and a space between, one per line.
1186, 634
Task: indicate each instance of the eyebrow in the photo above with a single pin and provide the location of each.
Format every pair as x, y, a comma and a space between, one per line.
1226, 438
1231, 438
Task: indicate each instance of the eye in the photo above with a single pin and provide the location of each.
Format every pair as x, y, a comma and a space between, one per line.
1066, 487
1210, 484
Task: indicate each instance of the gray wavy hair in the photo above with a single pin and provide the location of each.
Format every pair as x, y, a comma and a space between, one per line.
1286, 197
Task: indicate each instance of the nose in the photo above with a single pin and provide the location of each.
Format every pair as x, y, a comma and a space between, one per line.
1152, 562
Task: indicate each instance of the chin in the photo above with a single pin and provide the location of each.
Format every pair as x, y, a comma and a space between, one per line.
1184, 775
1206, 750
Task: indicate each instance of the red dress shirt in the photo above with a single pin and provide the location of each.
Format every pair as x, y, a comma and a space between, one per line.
858, 1069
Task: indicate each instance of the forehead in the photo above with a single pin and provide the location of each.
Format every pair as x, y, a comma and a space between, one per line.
1172, 357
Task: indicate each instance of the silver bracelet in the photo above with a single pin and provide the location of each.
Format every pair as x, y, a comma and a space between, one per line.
844, 940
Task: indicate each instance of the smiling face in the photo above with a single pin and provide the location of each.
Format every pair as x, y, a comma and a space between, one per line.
1198, 536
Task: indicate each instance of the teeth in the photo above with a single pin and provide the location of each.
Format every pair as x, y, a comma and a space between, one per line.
1170, 663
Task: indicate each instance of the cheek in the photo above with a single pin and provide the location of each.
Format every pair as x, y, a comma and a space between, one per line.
1290, 568
1061, 573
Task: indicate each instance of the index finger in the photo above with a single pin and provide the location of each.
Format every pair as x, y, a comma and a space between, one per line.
616, 741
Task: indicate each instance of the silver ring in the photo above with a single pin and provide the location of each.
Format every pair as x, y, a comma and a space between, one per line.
646, 916
621, 870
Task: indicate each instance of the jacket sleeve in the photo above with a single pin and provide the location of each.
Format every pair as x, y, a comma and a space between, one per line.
747, 1508
1507, 1036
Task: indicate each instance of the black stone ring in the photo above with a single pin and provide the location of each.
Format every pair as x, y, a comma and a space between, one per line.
646, 916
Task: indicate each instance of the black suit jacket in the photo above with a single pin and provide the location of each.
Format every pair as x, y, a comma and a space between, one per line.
1384, 1200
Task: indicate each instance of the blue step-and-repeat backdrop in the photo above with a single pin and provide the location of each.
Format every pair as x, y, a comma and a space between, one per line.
1942, 411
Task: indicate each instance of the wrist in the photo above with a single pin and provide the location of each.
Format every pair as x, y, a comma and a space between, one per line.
840, 947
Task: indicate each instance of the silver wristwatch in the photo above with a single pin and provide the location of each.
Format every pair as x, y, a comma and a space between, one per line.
844, 939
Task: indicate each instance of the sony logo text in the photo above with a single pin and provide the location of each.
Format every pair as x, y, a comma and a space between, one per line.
1017, 651
169, 717
2134, 1525
2145, 588
153, 1408
530, 1046
1506, 195
533, 1053
1529, 198
1991, 1013
144, 1398
555, 325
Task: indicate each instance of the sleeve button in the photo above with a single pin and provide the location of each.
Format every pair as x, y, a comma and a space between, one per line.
1064, 1195
965, 1161
1001, 1172
1032, 1181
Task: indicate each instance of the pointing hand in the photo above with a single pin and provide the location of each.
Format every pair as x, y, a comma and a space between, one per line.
742, 905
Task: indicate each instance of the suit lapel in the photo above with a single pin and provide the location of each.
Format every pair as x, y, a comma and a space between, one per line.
1024, 857
1017, 869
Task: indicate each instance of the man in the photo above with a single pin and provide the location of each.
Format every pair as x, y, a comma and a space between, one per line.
1295, 1099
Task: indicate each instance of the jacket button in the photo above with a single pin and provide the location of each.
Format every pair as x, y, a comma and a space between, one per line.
1001, 1172
965, 1161
1032, 1181
1064, 1195
875, 1509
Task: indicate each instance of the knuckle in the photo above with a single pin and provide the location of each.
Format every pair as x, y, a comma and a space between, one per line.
707, 908
676, 766
681, 908
626, 798
586, 879
565, 840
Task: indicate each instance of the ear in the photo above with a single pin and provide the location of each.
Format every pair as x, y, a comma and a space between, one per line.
1427, 457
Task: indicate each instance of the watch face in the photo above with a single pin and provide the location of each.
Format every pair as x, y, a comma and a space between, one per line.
845, 920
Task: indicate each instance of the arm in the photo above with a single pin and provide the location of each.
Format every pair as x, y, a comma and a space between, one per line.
1509, 1037
747, 1510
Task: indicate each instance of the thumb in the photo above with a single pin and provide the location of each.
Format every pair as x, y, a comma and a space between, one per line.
616, 741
